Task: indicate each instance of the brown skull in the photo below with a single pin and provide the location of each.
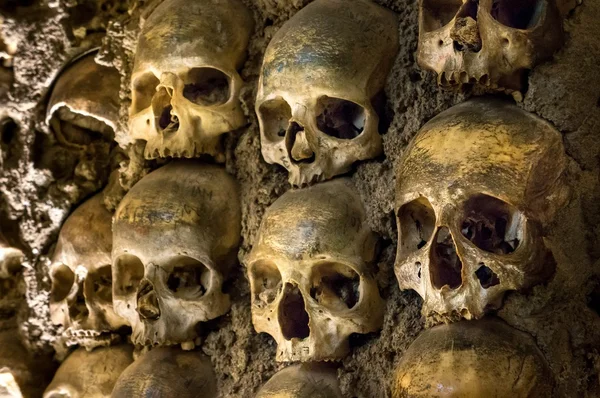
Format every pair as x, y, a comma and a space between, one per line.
185, 81
175, 237
168, 372
83, 113
486, 42
90, 374
321, 77
302, 381
81, 296
483, 358
309, 273
474, 190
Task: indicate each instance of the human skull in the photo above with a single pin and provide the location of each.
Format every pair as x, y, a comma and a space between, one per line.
82, 113
185, 81
21, 375
90, 374
10, 259
183, 374
321, 77
81, 295
309, 273
302, 381
474, 190
490, 43
85, 95
8, 48
175, 236
484, 358
12, 286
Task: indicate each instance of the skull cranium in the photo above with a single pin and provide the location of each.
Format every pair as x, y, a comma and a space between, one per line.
182, 374
90, 374
490, 43
81, 295
185, 81
322, 75
474, 190
309, 273
302, 381
484, 358
83, 113
175, 236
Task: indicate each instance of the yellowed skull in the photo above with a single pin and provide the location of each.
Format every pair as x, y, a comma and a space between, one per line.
309, 273
302, 381
175, 236
474, 190
491, 43
484, 358
90, 374
322, 74
81, 295
85, 96
185, 81
168, 372
11, 259
83, 113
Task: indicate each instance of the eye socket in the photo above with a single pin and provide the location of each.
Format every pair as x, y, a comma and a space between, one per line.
102, 283
275, 116
438, 13
335, 286
518, 14
144, 88
207, 87
416, 221
62, 282
129, 271
492, 224
266, 282
189, 278
340, 118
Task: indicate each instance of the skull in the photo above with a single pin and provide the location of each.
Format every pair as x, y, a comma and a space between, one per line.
10, 259
81, 295
182, 374
83, 112
309, 276
474, 190
21, 375
483, 358
302, 381
90, 374
322, 76
175, 234
486, 42
185, 84
8, 48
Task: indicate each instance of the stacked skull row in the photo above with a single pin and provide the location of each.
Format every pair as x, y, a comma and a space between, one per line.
475, 188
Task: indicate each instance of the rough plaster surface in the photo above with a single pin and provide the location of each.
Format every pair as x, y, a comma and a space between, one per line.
36, 193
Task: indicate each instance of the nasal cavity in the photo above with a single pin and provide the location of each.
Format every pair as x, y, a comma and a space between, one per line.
297, 144
168, 121
147, 302
165, 119
78, 311
465, 32
446, 267
293, 318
